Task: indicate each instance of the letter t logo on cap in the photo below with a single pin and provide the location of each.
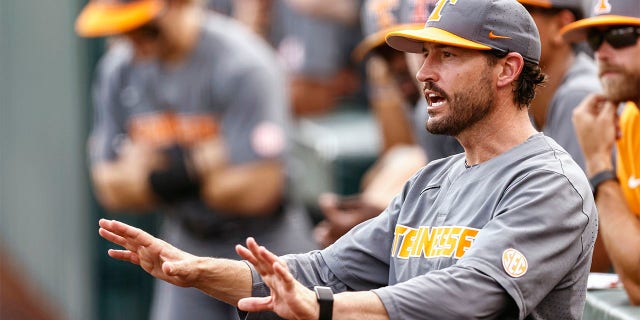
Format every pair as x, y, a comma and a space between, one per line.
436, 14
602, 7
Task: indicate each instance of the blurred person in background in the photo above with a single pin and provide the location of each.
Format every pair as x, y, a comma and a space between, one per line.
571, 76
191, 119
314, 39
471, 223
612, 32
394, 97
255, 14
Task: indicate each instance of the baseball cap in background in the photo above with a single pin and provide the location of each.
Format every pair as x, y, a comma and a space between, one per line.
604, 13
502, 25
379, 17
101, 18
578, 7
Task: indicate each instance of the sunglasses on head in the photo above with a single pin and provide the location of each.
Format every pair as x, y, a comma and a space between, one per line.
617, 37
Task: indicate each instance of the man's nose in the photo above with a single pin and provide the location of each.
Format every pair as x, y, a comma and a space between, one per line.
427, 72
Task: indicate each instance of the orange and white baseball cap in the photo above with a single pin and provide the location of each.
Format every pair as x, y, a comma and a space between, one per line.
379, 17
101, 18
604, 13
503, 25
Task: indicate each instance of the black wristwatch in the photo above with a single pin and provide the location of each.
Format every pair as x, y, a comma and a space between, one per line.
601, 177
325, 300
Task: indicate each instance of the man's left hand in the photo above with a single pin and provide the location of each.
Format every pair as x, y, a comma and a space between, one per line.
289, 298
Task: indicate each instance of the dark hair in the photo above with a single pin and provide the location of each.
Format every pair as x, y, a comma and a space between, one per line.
526, 85
524, 89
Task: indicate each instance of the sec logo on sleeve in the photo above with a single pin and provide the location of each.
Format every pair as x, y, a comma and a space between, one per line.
514, 263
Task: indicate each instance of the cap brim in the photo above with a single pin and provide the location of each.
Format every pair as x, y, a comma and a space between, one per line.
413, 40
577, 31
377, 39
99, 19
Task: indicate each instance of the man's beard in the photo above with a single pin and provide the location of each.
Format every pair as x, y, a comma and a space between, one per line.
622, 89
465, 109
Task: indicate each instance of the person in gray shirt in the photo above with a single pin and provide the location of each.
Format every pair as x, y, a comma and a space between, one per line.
504, 230
572, 76
191, 121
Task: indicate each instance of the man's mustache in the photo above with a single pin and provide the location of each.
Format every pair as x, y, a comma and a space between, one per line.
434, 87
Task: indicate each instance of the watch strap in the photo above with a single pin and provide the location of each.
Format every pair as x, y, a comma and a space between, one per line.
325, 301
597, 179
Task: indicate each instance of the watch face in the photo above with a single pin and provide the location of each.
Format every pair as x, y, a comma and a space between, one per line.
324, 293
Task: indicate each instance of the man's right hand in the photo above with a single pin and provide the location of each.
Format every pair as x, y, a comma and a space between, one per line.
157, 257
224, 279
596, 125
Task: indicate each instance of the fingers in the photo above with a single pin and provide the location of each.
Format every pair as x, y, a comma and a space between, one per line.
267, 258
246, 254
609, 110
593, 112
285, 297
261, 258
327, 201
261, 253
249, 253
592, 104
126, 236
285, 276
255, 304
130, 234
110, 236
124, 255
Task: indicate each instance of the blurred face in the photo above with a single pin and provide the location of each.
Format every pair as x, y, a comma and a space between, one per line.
458, 86
547, 29
618, 68
146, 40
166, 35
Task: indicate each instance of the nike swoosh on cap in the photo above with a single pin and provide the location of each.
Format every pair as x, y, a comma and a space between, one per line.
494, 36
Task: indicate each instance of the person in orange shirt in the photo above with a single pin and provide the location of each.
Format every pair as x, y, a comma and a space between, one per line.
612, 32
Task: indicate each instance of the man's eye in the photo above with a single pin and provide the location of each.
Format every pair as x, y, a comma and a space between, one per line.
447, 54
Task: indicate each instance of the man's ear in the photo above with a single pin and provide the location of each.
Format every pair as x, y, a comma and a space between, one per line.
510, 68
560, 20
